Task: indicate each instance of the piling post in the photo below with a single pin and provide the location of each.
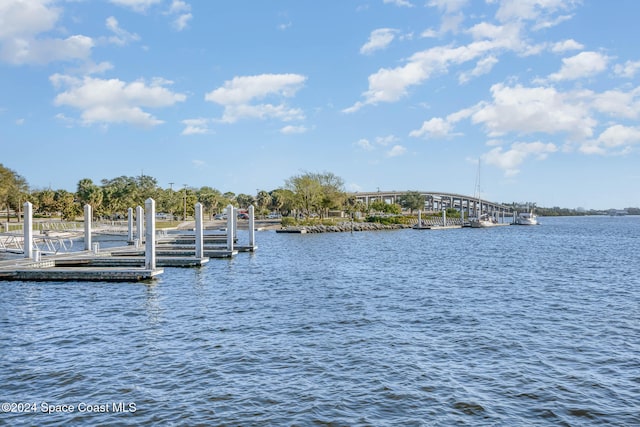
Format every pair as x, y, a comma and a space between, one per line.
230, 226
130, 225
419, 218
444, 217
28, 230
235, 224
140, 223
150, 237
199, 231
87, 227
252, 227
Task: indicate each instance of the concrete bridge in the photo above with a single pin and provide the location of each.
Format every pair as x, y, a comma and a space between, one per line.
437, 201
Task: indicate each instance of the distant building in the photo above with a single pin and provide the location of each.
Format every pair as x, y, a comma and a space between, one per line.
618, 212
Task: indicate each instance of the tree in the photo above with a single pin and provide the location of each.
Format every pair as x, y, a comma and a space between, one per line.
67, 205
46, 201
244, 200
263, 201
412, 200
316, 192
13, 190
388, 208
88, 193
283, 200
210, 198
333, 194
307, 192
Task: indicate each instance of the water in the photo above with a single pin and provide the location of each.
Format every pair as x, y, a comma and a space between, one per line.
535, 326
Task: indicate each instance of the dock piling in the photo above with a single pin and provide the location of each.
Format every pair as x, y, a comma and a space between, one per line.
252, 227
130, 225
199, 231
87, 227
28, 230
230, 227
139, 223
150, 238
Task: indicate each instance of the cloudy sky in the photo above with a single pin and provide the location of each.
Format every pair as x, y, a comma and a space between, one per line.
387, 94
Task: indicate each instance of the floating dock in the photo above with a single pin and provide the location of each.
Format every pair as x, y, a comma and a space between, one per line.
54, 269
124, 263
436, 227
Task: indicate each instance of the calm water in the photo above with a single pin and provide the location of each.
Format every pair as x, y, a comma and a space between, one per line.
535, 326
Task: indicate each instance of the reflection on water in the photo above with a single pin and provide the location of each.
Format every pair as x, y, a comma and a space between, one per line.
508, 326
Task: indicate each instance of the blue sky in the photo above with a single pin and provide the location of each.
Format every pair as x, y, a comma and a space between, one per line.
387, 94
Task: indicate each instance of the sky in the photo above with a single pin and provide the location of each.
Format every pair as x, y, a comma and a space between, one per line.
539, 98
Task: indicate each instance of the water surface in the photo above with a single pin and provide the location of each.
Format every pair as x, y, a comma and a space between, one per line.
505, 326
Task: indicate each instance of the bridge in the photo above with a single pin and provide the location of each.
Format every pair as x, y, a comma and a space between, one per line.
436, 201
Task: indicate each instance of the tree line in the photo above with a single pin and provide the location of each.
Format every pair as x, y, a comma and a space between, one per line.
307, 194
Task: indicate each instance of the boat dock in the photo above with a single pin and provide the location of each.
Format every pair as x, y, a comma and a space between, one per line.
125, 263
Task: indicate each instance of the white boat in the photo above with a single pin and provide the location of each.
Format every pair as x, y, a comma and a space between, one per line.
526, 218
483, 221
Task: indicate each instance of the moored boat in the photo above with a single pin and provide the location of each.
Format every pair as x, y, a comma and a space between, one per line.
526, 218
483, 221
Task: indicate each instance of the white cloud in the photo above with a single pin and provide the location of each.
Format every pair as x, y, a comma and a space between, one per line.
290, 130
365, 144
241, 90
121, 37
584, 64
628, 69
483, 66
615, 137
196, 126
179, 6
534, 109
396, 150
386, 140
234, 112
510, 160
429, 33
181, 22
389, 85
448, 6
136, 5
114, 101
379, 39
183, 11
566, 45
531, 10
236, 96
392, 84
401, 3
617, 103
22, 25
432, 129
618, 135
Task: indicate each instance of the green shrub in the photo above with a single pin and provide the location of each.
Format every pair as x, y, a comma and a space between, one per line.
288, 221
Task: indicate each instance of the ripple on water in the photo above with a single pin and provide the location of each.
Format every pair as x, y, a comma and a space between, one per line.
513, 326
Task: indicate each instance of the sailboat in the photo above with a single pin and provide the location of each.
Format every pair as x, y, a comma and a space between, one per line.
482, 220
